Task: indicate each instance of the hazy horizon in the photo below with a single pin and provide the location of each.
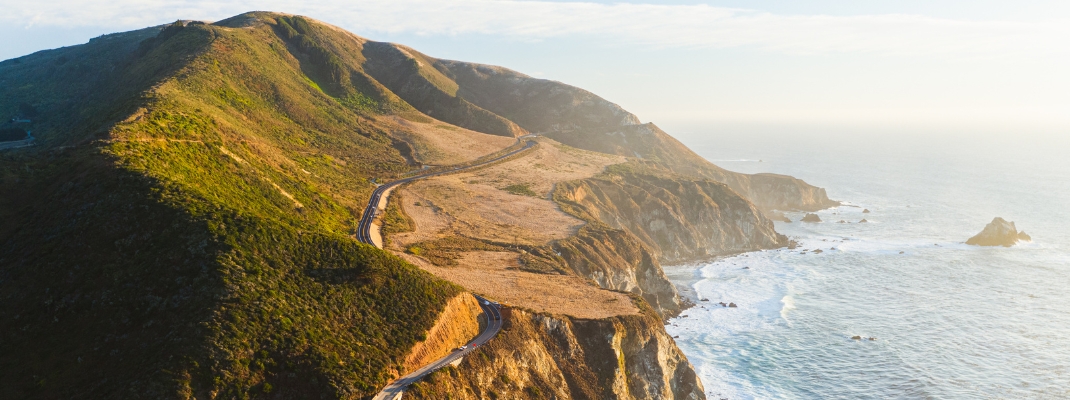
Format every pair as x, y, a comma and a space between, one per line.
958, 66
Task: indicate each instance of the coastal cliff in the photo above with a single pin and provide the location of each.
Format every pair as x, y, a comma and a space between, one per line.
539, 356
617, 260
677, 218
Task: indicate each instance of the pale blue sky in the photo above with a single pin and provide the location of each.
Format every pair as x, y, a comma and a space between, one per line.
959, 65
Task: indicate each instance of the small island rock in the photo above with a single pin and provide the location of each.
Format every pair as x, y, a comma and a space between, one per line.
811, 218
1024, 237
863, 221
999, 232
865, 211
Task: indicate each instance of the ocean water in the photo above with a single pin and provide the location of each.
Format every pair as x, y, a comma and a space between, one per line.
951, 321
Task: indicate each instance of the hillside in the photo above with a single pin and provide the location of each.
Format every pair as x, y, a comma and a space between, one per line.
184, 225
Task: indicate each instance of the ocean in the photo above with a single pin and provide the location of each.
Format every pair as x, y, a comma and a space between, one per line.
950, 321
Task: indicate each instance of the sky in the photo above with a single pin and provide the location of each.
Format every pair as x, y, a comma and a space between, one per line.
953, 65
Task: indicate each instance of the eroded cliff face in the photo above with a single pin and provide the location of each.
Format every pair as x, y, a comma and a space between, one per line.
458, 323
677, 218
617, 260
541, 356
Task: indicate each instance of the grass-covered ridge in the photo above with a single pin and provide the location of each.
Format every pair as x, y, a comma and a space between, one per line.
196, 239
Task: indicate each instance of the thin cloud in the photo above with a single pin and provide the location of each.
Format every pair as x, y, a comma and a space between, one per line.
656, 26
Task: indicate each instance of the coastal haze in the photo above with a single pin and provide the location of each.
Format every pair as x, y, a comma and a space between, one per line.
535, 199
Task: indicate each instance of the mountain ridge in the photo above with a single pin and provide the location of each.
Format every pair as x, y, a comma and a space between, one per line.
184, 227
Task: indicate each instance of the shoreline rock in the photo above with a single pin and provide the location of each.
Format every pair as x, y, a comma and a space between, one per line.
999, 232
811, 217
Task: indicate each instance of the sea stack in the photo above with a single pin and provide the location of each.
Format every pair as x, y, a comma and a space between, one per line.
811, 218
999, 232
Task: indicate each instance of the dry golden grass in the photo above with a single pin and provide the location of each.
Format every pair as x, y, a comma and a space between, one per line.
438, 143
474, 203
494, 275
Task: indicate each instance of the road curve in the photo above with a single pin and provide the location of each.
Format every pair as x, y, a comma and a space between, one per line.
491, 310
494, 325
365, 226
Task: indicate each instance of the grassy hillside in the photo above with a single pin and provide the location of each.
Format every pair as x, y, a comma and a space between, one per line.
185, 226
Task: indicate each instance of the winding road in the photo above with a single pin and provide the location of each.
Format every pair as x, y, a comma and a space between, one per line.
494, 325
491, 310
364, 228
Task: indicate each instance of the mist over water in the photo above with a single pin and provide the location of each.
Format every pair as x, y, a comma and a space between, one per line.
951, 321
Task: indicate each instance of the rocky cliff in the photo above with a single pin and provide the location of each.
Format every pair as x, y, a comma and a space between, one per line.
460, 321
676, 217
552, 357
617, 260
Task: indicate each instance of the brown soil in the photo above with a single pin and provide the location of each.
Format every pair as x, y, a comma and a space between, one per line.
494, 275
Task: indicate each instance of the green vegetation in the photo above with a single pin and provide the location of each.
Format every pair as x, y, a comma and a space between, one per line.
394, 218
202, 246
7, 134
445, 251
520, 189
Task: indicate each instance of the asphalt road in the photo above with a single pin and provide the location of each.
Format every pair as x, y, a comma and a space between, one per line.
490, 310
494, 325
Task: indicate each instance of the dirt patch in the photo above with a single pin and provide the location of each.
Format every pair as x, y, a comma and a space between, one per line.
494, 275
438, 143
485, 203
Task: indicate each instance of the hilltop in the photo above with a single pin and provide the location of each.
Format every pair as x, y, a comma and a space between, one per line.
184, 225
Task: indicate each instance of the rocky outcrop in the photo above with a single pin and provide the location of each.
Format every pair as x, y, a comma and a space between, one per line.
678, 218
539, 356
617, 260
999, 232
812, 218
458, 323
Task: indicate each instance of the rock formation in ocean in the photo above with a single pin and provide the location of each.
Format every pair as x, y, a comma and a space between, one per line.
999, 232
810, 217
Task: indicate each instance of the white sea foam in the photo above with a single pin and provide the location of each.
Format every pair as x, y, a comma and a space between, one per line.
951, 320
789, 304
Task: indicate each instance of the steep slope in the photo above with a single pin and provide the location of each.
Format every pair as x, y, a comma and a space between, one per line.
680, 219
555, 357
579, 118
184, 228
